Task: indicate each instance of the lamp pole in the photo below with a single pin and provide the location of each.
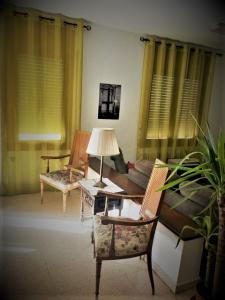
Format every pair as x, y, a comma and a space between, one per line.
100, 183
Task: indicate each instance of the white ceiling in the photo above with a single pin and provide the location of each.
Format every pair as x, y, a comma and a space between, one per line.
186, 20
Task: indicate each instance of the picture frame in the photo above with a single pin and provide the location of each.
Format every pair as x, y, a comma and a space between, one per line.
109, 101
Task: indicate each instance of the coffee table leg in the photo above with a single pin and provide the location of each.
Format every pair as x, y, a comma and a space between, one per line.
81, 205
120, 207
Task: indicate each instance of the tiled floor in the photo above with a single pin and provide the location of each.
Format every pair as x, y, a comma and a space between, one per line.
48, 255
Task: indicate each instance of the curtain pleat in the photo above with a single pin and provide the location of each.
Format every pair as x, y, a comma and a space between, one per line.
41, 94
177, 104
147, 75
176, 84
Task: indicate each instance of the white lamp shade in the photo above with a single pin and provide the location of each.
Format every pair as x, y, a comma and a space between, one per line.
103, 142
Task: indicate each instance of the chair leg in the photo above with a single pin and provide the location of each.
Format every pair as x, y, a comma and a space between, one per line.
149, 263
64, 202
93, 240
92, 237
42, 191
98, 274
94, 252
81, 206
142, 257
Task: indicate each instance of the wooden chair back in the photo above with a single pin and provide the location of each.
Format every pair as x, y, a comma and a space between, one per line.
151, 201
78, 151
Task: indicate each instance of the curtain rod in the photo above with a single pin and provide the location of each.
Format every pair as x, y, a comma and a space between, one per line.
179, 43
88, 27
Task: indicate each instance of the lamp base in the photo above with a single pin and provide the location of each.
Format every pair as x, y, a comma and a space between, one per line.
100, 184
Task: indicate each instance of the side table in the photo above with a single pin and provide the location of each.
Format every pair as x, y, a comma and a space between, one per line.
89, 197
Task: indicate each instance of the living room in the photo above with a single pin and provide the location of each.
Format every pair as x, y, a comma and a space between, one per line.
114, 54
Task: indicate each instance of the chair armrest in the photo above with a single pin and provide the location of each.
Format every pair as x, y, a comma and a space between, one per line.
105, 220
48, 157
116, 196
70, 167
54, 157
119, 196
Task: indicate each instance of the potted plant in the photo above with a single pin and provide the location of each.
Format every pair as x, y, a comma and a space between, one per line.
211, 168
206, 225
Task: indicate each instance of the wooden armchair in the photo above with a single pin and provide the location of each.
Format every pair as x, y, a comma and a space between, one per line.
67, 179
118, 237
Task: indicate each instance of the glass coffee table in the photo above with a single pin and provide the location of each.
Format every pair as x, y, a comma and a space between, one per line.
92, 203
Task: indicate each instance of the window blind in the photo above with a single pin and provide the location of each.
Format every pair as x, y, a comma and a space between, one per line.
159, 106
163, 111
40, 93
187, 126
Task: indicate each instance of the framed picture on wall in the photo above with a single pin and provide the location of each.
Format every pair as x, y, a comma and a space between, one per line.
109, 101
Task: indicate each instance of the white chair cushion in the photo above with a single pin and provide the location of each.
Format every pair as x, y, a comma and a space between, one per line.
129, 240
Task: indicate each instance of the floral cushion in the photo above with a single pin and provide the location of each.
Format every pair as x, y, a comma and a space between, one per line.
129, 240
64, 176
61, 178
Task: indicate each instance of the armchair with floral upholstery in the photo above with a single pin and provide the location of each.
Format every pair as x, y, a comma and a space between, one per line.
119, 237
67, 179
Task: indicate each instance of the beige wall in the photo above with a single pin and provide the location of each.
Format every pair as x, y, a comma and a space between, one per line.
113, 56
183, 20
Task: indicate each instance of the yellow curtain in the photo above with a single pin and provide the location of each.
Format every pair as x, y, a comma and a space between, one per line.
176, 84
41, 93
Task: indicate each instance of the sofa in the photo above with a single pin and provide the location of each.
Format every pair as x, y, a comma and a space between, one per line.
140, 172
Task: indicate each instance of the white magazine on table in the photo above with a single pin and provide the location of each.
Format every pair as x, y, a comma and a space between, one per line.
110, 186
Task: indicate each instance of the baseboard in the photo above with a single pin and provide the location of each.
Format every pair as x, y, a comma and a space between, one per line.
186, 286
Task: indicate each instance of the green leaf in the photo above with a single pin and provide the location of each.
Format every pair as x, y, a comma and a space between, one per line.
180, 166
173, 183
196, 122
205, 149
184, 199
221, 155
208, 224
182, 231
189, 182
210, 137
211, 202
197, 168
